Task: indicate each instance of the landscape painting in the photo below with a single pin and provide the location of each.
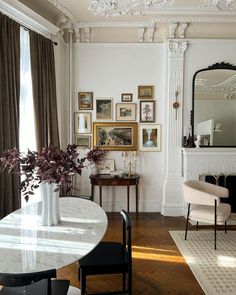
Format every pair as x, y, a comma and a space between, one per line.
115, 136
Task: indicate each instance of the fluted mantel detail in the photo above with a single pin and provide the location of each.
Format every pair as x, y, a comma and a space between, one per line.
177, 48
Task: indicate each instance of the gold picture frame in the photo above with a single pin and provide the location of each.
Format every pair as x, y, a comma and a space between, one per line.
115, 136
85, 100
146, 92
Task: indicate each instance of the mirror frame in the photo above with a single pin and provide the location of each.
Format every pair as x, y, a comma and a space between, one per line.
216, 66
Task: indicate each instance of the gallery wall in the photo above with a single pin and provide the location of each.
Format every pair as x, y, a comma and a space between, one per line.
108, 70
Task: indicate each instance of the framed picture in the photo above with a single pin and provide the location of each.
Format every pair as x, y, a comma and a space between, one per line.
115, 136
82, 123
150, 138
125, 111
126, 97
107, 166
83, 141
104, 108
85, 100
147, 111
145, 92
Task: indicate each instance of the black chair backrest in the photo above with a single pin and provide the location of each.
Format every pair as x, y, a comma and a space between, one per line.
24, 279
127, 242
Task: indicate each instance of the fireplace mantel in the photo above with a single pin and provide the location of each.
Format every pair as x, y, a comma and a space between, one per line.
197, 161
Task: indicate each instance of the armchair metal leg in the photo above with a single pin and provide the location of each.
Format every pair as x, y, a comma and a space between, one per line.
197, 225
187, 219
225, 227
215, 225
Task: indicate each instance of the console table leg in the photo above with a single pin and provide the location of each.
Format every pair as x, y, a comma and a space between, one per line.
92, 192
128, 198
100, 195
136, 198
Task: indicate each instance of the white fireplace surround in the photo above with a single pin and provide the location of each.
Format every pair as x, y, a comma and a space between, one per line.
197, 161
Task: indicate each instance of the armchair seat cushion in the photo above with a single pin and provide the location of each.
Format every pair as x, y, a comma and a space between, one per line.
206, 214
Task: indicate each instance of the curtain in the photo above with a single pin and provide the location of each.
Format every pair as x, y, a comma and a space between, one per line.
9, 108
44, 90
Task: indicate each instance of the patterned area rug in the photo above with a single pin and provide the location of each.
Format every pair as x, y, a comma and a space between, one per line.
215, 270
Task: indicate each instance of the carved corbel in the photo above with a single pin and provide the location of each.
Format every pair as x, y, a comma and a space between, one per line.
141, 32
77, 35
87, 31
182, 29
151, 32
173, 27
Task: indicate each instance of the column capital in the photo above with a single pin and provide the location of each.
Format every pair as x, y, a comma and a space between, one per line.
176, 48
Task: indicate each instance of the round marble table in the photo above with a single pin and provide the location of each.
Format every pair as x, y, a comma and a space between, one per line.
27, 246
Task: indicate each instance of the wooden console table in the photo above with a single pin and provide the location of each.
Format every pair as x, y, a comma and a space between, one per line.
108, 180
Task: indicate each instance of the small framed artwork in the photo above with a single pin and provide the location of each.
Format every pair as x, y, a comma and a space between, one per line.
82, 123
150, 138
126, 111
147, 111
126, 97
145, 92
83, 141
85, 100
107, 166
115, 136
104, 109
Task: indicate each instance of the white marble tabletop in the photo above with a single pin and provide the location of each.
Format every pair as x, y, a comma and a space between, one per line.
27, 246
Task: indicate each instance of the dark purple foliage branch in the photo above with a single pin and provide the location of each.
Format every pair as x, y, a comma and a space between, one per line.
96, 156
50, 165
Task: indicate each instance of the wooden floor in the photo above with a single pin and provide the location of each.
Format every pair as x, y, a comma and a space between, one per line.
158, 266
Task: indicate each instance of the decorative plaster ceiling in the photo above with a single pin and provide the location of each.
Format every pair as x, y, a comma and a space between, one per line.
177, 16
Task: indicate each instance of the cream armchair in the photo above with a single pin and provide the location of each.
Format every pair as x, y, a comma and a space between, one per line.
204, 204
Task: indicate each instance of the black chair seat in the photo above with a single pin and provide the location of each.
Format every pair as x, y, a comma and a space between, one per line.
59, 287
107, 257
110, 258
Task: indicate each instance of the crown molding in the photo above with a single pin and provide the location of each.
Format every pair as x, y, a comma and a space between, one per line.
28, 18
150, 24
65, 11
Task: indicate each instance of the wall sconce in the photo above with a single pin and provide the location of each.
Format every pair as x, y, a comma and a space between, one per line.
176, 104
130, 158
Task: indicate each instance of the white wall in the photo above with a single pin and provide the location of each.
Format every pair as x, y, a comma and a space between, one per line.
109, 70
61, 67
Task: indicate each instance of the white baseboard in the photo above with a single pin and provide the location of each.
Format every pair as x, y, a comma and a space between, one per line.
172, 210
118, 206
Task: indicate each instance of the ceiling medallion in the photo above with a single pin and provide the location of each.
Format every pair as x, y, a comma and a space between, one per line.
125, 7
220, 4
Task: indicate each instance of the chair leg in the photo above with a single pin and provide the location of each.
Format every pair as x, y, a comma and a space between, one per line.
186, 229
124, 281
197, 226
79, 274
225, 227
215, 225
82, 282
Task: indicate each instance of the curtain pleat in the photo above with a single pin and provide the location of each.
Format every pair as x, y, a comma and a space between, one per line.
44, 90
9, 108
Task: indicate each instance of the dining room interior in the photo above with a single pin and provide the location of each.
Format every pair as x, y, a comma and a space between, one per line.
119, 104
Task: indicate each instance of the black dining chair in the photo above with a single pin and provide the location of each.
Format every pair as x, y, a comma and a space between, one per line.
36, 283
110, 258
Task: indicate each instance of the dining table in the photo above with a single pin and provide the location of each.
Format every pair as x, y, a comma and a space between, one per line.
27, 246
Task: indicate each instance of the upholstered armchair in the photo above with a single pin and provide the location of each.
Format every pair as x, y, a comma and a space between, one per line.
204, 204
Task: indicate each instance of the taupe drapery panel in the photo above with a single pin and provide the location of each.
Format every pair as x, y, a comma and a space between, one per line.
9, 108
44, 90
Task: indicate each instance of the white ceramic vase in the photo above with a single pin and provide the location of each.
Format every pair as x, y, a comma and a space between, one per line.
50, 204
94, 169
